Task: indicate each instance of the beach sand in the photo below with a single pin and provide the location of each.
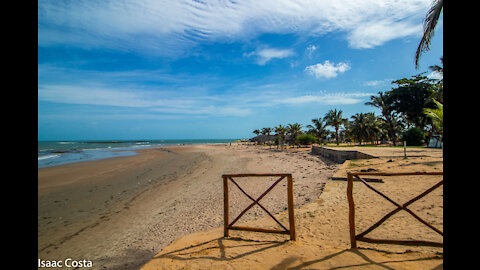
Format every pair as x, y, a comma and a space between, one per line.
322, 225
120, 212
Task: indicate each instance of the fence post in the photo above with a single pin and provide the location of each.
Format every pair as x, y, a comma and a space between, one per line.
291, 216
351, 212
225, 206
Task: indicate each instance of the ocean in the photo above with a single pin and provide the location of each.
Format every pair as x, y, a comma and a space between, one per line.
53, 153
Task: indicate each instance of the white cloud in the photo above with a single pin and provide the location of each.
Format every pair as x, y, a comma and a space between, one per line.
376, 33
170, 27
435, 75
377, 83
165, 103
327, 70
311, 49
142, 100
267, 54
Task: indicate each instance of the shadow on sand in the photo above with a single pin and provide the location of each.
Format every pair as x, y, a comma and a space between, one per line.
229, 249
225, 247
287, 262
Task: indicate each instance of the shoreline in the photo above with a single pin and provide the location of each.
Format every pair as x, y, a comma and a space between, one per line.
121, 211
55, 153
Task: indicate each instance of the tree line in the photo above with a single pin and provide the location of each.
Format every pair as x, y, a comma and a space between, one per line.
412, 111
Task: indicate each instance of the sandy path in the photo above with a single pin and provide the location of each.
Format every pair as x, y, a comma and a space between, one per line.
120, 212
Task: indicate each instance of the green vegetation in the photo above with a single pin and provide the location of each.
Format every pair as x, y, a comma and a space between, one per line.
412, 111
306, 139
413, 136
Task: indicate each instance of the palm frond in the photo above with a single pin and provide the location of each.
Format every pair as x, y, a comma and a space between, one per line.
429, 25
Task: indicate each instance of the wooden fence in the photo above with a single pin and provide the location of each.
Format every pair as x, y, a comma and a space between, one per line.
229, 226
361, 237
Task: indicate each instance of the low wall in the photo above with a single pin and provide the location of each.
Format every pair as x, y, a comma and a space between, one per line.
338, 155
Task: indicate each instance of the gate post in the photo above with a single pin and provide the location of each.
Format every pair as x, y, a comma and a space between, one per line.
351, 206
291, 216
225, 206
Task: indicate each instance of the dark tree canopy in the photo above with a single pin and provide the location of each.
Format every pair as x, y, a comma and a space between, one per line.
410, 98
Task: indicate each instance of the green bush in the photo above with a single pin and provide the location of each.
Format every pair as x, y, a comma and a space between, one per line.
306, 139
413, 136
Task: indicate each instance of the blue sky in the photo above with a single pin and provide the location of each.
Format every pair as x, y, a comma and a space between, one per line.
217, 69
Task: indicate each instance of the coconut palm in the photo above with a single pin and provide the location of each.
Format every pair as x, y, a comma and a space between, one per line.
281, 130
266, 131
438, 68
358, 127
373, 127
388, 115
431, 20
318, 129
436, 115
294, 130
334, 118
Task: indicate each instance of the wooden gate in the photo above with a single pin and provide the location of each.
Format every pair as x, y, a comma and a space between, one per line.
361, 237
229, 226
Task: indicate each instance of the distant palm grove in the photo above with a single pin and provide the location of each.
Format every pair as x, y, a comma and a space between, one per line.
412, 112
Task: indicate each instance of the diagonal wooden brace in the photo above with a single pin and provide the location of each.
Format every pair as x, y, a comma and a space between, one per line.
257, 202
399, 207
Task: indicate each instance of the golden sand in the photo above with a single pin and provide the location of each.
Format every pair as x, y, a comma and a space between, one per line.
124, 212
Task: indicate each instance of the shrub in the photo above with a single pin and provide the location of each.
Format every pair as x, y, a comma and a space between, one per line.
306, 139
414, 136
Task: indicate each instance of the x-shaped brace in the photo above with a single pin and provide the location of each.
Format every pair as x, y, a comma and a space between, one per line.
400, 207
257, 202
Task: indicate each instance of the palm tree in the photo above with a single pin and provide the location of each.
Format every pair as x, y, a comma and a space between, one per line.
281, 130
294, 130
380, 102
334, 118
438, 68
358, 127
318, 129
431, 20
373, 127
437, 116
256, 132
266, 131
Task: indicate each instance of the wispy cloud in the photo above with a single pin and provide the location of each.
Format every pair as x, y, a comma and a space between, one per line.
327, 69
266, 54
376, 33
141, 100
171, 27
164, 102
377, 83
311, 49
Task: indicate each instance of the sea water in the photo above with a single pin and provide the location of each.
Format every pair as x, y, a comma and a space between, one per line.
53, 153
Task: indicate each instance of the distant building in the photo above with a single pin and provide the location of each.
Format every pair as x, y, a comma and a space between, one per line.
435, 142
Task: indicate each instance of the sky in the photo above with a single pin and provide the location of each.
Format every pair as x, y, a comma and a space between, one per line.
177, 69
